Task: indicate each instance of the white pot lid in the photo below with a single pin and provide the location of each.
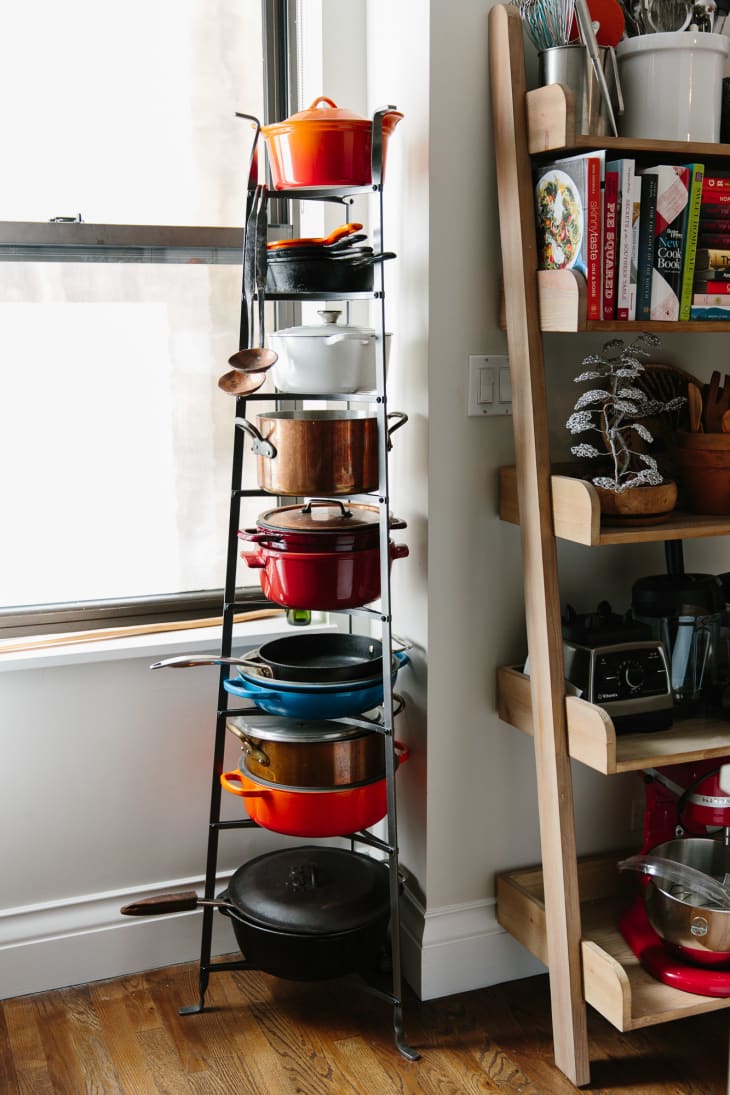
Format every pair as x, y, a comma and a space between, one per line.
328, 329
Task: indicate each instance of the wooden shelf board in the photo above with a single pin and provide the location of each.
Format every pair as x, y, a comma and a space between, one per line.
562, 305
551, 130
592, 738
576, 516
614, 982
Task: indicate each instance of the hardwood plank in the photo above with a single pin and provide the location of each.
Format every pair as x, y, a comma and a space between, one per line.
25, 1040
86, 1035
110, 1000
8, 1075
162, 1063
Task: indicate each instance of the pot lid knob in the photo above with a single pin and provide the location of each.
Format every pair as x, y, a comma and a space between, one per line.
329, 315
303, 877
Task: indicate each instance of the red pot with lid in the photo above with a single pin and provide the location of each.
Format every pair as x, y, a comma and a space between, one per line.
325, 145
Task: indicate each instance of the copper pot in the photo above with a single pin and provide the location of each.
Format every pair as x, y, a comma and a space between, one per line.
327, 452
309, 752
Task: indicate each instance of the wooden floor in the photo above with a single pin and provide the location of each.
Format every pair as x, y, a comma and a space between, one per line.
266, 1036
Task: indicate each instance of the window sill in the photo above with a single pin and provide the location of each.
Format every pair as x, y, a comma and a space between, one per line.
196, 640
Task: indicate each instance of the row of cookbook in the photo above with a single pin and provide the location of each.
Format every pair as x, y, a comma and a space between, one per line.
653, 243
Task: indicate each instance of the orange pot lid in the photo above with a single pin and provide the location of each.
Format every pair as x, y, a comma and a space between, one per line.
321, 110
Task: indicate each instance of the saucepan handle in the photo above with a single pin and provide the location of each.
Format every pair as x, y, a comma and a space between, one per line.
229, 780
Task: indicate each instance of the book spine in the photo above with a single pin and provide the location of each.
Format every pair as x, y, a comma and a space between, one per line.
706, 300
715, 202
713, 227
697, 174
645, 258
625, 168
593, 223
610, 207
714, 239
635, 221
714, 181
672, 200
713, 286
708, 258
710, 311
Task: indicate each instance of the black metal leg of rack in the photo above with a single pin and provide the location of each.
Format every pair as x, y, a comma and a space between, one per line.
229, 598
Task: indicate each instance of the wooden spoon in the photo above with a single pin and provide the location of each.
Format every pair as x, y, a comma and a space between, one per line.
256, 359
694, 405
236, 383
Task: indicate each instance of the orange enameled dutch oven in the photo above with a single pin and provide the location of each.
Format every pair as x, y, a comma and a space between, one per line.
324, 145
311, 811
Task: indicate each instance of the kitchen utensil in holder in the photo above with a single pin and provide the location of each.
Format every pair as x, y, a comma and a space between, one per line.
571, 66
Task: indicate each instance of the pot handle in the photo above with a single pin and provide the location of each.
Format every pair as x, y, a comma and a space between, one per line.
399, 551
247, 745
228, 779
256, 536
401, 750
402, 419
332, 501
185, 901
256, 561
322, 99
401, 657
260, 446
370, 260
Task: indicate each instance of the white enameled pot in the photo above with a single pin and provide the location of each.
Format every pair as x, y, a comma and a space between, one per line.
327, 357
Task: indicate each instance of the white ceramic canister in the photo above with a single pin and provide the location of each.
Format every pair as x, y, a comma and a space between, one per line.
672, 85
327, 357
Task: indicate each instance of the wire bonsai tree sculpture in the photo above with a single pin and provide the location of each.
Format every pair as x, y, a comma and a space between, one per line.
614, 412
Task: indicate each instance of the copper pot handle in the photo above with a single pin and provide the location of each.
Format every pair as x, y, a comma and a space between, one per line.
402, 419
260, 446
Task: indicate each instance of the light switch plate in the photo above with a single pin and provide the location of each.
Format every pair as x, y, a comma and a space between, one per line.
489, 389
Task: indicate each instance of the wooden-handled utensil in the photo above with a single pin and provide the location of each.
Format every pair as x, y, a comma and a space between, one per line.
694, 405
712, 415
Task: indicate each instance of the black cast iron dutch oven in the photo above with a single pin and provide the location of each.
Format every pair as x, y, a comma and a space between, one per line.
304, 914
309, 271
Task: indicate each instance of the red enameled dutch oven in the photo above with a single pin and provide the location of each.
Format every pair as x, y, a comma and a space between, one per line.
324, 145
320, 579
323, 524
311, 811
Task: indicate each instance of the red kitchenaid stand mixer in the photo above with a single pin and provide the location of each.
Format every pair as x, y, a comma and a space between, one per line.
681, 800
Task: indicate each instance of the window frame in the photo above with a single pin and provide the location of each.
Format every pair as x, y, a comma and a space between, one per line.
73, 240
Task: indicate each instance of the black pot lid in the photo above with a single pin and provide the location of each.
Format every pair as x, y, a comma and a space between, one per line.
311, 890
670, 594
321, 515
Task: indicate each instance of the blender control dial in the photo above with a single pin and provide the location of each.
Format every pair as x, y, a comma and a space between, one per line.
631, 674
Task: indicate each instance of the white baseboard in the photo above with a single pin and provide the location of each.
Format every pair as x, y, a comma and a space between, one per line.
451, 949
60, 943
457, 948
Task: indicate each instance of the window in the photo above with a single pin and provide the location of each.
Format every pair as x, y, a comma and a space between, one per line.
114, 437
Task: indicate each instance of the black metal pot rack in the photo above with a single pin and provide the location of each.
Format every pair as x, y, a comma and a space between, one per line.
254, 290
